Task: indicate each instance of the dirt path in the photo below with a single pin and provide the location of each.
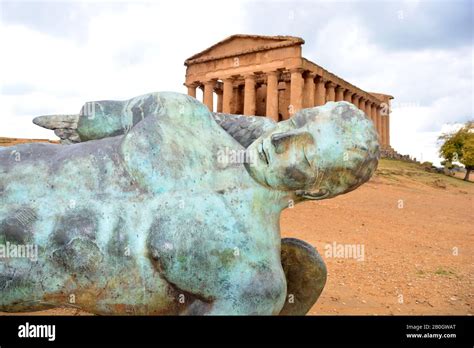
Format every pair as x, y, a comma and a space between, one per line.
417, 236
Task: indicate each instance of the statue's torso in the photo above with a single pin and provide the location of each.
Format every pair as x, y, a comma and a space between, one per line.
117, 226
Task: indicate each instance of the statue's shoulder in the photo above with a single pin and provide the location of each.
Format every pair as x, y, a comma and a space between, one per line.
177, 129
108, 118
181, 110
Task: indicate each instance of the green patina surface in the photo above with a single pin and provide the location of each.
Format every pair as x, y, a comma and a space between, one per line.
148, 220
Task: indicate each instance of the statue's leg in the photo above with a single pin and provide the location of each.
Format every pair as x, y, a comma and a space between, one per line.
305, 273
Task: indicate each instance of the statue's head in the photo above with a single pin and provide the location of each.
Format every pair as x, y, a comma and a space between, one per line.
318, 153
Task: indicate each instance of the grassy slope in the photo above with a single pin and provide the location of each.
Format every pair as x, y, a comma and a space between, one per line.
394, 169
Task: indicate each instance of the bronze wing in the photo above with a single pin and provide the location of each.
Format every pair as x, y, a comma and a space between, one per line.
244, 129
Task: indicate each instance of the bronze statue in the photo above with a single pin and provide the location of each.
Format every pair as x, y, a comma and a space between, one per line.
159, 206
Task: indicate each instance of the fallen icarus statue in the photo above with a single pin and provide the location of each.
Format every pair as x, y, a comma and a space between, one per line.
159, 206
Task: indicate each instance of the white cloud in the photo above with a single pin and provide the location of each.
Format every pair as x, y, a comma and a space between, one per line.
408, 139
127, 53
432, 87
140, 47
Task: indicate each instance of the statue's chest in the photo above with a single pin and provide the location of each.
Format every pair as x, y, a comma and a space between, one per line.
209, 236
225, 214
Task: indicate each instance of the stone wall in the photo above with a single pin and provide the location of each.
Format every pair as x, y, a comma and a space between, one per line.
392, 154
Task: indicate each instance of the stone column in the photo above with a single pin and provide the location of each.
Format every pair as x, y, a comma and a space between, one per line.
272, 95
309, 87
330, 93
219, 93
249, 95
355, 100
384, 126
368, 110
372, 113
339, 93
208, 94
348, 96
377, 122
192, 89
362, 101
227, 95
387, 129
320, 93
296, 91
380, 127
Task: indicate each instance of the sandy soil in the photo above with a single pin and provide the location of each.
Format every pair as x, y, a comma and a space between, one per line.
417, 236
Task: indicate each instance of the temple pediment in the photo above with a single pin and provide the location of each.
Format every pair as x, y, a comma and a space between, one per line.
240, 44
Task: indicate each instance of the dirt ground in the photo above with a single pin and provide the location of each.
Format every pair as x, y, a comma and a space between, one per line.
416, 232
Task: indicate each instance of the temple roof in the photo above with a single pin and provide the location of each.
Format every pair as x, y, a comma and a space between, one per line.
241, 44
381, 96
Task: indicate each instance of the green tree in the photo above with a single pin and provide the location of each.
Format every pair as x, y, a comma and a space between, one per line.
459, 147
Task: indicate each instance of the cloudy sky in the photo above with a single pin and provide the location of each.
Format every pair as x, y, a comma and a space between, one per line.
55, 55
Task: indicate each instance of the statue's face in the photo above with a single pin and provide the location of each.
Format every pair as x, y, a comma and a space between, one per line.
283, 157
318, 153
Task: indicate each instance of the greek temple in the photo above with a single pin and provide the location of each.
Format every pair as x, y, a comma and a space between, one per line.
268, 76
